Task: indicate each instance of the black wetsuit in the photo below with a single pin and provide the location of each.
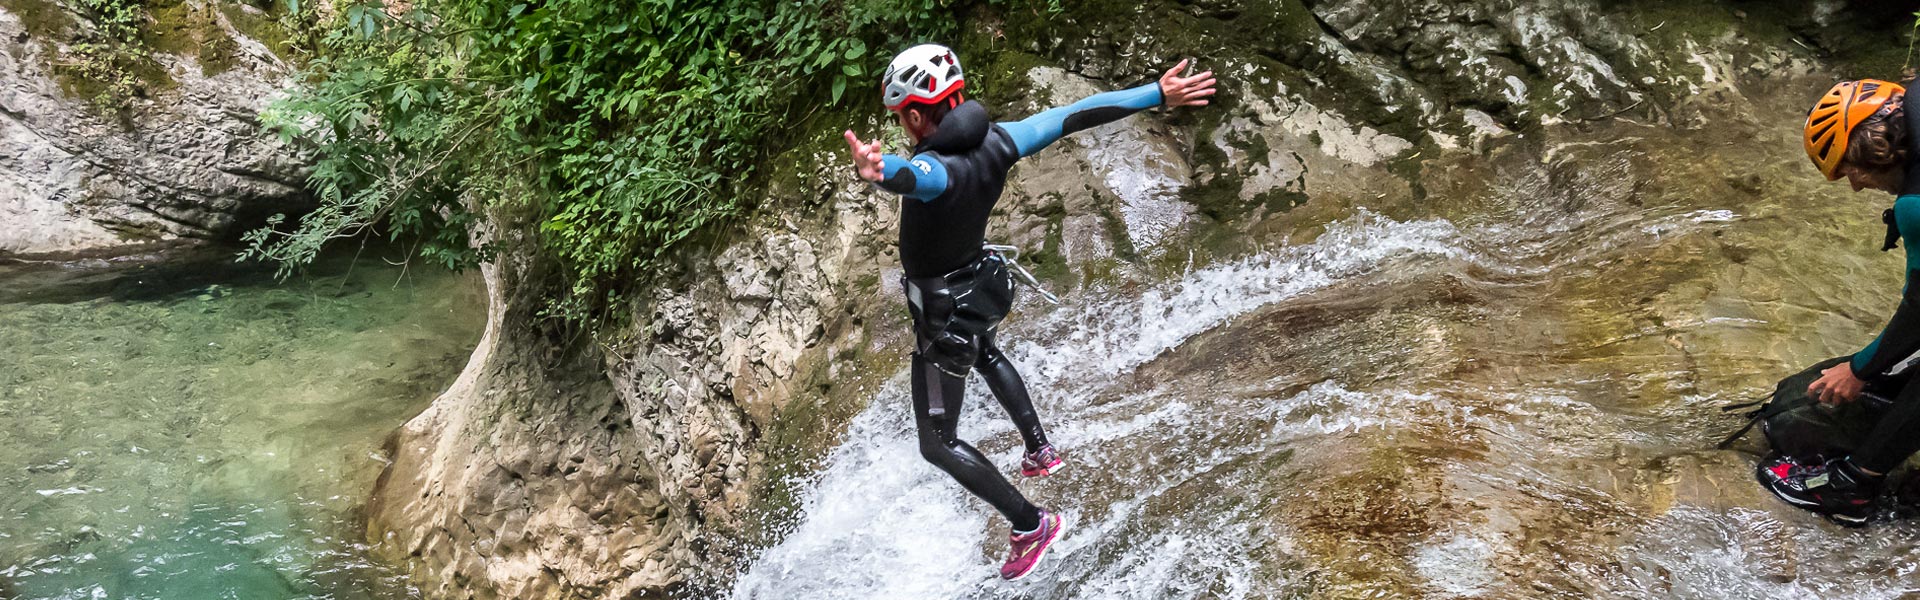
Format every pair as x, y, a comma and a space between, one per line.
948, 190
1897, 349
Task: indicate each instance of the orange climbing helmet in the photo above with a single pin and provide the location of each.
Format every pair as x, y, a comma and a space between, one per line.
1830, 124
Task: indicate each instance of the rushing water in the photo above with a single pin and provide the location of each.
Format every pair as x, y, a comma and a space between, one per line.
195, 430
1507, 392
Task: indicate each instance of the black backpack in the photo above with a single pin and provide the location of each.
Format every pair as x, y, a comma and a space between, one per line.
1797, 425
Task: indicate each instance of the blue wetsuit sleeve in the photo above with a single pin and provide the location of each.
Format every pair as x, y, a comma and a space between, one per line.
1901, 338
923, 178
1034, 133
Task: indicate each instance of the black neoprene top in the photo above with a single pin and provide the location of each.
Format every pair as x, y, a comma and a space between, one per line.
950, 186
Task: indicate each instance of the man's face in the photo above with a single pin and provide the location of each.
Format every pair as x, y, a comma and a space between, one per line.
1886, 180
914, 123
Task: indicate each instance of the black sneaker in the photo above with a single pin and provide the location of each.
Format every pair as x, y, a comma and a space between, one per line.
1832, 488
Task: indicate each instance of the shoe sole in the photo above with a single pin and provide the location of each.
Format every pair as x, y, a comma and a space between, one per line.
1044, 472
1848, 522
1044, 549
1792, 502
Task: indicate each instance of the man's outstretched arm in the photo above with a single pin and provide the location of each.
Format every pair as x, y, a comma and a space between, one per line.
922, 178
1035, 133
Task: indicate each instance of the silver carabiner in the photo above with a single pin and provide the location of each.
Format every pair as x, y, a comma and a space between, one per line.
1011, 255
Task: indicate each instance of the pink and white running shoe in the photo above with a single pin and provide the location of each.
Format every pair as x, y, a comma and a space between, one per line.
1044, 462
1028, 549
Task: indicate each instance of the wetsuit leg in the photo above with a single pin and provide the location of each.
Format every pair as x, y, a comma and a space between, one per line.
936, 412
1895, 437
1011, 390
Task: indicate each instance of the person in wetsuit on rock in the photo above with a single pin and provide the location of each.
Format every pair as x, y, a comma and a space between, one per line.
1861, 130
957, 291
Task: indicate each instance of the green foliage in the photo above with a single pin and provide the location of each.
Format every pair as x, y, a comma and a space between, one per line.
1912, 35
623, 128
108, 64
301, 30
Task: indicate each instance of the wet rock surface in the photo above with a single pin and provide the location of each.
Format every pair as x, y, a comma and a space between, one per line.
186, 161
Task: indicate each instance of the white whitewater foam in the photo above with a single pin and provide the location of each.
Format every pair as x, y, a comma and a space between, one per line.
1110, 336
1457, 565
878, 522
1697, 553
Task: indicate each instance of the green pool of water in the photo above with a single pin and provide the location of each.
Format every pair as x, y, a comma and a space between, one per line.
194, 429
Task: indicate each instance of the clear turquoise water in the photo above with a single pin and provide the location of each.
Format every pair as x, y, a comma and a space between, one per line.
201, 431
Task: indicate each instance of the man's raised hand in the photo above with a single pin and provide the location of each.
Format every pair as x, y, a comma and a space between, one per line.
1184, 91
866, 157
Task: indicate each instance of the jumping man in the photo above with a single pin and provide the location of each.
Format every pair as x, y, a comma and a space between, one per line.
956, 290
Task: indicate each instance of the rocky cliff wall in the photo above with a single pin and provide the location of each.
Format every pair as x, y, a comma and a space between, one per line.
182, 159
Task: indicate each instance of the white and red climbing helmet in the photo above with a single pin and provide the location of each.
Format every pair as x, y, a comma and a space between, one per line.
927, 74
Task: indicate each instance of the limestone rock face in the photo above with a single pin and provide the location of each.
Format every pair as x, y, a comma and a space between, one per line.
648, 465
542, 473
525, 479
187, 161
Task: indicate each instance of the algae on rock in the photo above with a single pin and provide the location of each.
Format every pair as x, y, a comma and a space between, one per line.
181, 158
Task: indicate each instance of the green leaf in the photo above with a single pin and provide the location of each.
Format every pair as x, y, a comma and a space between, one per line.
851, 70
858, 49
839, 87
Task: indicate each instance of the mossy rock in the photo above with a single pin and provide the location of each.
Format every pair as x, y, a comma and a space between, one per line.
89, 63
171, 26
1874, 41
92, 78
109, 71
42, 18
186, 29
260, 23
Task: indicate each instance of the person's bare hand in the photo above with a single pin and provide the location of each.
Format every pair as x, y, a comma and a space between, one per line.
1185, 91
866, 157
1836, 385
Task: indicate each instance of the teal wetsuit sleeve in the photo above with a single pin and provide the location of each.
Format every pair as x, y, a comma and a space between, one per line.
1901, 338
923, 178
1034, 133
